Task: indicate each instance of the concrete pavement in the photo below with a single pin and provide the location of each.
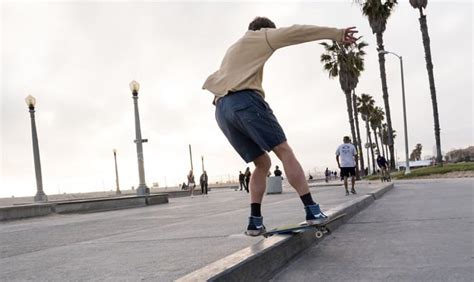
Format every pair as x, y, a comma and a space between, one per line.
420, 231
161, 242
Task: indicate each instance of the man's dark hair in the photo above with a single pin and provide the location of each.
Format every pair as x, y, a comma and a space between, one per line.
261, 22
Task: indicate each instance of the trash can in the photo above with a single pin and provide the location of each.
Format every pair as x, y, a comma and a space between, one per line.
274, 185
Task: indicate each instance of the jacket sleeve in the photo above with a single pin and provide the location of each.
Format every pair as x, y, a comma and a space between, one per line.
297, 34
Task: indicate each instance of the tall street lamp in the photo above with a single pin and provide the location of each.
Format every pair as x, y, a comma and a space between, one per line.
40, 195
116, 174
407, 165
142, 188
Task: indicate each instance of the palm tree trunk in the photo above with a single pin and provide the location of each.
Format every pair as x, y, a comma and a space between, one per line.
376, 139
429, 67
383, 77
351, 121
370, 144
359, 140
381, 141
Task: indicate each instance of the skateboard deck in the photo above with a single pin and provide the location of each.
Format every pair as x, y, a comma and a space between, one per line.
319, 229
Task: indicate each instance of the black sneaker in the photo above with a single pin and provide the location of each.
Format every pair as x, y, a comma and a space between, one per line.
314, 215
353, 191
255, 227
347, 193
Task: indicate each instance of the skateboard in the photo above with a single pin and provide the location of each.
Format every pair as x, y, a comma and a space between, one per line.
319, 229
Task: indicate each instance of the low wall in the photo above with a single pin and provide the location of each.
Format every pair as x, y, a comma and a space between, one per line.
17, 212
81, 206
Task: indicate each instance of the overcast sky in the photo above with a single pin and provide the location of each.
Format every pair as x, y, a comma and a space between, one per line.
77, 59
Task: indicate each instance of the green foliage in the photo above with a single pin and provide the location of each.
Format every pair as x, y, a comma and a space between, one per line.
426, 171
345, 61
377, 11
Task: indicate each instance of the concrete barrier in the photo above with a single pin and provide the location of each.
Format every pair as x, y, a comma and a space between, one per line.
24, 211
274, 185
260, 261
81, 206
99, 204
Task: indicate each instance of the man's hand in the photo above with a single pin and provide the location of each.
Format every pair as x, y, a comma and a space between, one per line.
349, 35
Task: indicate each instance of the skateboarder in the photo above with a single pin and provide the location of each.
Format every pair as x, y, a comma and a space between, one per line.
347, 154
247, 120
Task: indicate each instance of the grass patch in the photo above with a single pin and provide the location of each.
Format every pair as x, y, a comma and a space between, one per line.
424, 171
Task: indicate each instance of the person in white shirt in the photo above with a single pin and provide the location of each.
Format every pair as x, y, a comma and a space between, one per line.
346, 157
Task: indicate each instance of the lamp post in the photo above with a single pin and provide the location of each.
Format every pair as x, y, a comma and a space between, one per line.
142, 188
40, 195
407, 160
116, 174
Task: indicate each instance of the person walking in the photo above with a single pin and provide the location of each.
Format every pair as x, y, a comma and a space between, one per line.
241, 181
346, 157
191, 183
203, 183
247, 174
277, 172
327, 174
247, 120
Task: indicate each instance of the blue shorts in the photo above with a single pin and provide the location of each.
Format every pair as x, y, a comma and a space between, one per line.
248, 123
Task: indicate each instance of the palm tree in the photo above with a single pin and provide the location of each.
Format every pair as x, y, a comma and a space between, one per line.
359, 140
378, 13
365, 104
375, 122
347, 62
384, 136
420, 5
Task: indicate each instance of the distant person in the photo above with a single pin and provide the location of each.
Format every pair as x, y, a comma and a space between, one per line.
241, 181
203, 183
191, 183
383, 165
247, 120
327, 174
310, 177
335, 175
247, 174
346, 157
277, 171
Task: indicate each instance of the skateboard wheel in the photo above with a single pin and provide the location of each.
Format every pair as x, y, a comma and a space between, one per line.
319, 234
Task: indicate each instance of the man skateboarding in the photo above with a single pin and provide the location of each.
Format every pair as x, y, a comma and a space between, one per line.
247, 120
346, 157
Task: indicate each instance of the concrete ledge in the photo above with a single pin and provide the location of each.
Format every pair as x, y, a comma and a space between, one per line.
81, 206
99, 204
379, 193
18, 212
260, 261
156, 199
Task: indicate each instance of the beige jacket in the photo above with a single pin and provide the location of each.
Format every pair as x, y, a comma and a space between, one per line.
242, 66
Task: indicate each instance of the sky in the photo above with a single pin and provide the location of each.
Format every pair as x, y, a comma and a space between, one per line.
78, 57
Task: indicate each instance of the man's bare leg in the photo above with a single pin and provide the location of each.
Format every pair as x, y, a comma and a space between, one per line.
353, 180
346, 184
293, 170
258, 178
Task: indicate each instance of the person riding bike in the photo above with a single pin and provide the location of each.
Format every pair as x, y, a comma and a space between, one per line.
383, 164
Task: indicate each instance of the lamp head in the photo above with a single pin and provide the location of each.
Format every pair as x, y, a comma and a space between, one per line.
30, 101
134, 86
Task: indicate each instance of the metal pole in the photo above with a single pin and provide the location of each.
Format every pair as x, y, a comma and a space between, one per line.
191, 157
40, 195
407, 170
116, 175
142, 188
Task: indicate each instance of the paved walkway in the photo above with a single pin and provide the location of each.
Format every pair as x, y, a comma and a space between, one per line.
419, 231
162, 242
